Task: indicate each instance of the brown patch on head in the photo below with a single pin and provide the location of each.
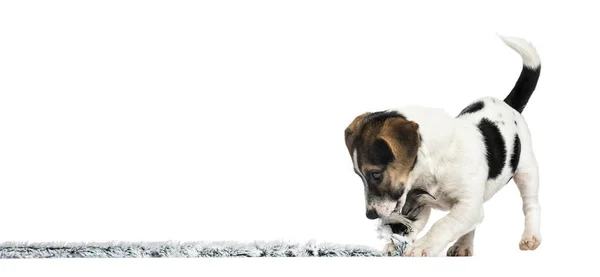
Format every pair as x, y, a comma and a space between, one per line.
352, 130
386, 146
403, 138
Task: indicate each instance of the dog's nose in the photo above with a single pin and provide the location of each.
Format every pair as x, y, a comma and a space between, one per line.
372, 214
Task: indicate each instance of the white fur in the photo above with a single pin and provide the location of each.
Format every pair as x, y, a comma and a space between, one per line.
362, 177
452, 167
529, 54
356, 169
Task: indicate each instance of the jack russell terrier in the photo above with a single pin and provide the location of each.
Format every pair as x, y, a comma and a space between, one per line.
412, 159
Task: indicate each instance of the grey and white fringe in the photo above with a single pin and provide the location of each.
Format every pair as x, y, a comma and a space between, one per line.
172, 249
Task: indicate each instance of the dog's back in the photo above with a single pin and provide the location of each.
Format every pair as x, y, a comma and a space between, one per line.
500, 122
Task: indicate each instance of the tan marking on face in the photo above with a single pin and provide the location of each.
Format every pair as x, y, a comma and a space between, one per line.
402, 138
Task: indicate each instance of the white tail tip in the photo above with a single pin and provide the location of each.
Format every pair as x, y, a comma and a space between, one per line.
531, 59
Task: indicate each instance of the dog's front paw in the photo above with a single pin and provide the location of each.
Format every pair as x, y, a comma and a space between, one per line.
389, 249
530, 241
415, 251
460, 250
423, 248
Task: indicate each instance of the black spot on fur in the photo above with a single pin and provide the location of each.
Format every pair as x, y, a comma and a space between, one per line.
516, 123
399, 228
381, 153
474, 107
495, 147
516, 154
413, 207
381, 116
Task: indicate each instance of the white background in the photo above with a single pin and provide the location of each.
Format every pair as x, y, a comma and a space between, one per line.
224, 120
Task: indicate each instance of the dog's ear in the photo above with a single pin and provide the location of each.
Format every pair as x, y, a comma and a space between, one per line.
351, 131
403, 136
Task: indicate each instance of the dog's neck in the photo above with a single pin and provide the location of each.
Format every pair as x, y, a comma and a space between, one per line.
437, 130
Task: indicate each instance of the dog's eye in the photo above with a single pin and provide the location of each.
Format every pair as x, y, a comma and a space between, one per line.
376, 175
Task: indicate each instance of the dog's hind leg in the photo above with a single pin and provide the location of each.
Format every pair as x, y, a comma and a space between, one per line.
463, 246
527, 180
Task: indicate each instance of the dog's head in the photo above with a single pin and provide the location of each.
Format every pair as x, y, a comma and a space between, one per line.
383, 146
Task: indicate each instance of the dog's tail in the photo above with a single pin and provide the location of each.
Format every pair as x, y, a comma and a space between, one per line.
521, 92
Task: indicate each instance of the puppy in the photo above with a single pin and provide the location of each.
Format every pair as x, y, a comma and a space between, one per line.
413, 159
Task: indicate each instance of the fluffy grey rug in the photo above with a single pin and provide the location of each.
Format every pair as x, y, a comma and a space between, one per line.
24, 250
